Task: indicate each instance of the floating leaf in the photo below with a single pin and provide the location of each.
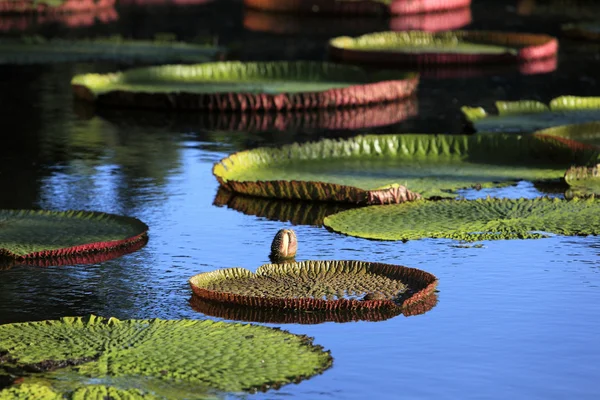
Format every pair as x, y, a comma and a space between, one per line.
454, 47
52, 6
27, 51
378, 169
584, 181
36, 391
582, 30
235, 85
529, 115
227, 357
317, 286
31, 234
587, 133
470, 220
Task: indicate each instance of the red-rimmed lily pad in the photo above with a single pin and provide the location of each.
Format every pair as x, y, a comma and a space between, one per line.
236, 85
357, 7
530, 115
35, 234
381, 169
453, 47
587, 133
21, 22
52, 6
317, 286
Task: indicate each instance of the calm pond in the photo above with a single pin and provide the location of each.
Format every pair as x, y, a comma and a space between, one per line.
515, 319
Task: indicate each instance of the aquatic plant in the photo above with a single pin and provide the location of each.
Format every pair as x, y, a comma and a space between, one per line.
583, 181
470, 220
52, 6
530, 115
317, 286
236, 85
284, 245
34, 234
381, 169
586, 133
453, 47
205, 354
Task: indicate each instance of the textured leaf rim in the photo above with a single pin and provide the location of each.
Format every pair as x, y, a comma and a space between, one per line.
32, 6
529, 47
420, 284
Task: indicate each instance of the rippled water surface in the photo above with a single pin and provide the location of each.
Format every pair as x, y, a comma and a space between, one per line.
514, 319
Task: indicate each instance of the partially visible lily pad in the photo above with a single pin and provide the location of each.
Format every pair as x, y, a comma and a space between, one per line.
41, 392
282, 85
470, 220
317, 286
587, 133
34, 234
379, 169
529, 115
582, 30
207, 354
38, 50
583, 181
52, 6
452, 47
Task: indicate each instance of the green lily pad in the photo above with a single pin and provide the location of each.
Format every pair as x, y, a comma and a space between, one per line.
40, 392
470, 220
317, 286
452, 47
584, 181
245, 86
37, 50
32, 234
376, 169
529, 115
587, 133
207, 354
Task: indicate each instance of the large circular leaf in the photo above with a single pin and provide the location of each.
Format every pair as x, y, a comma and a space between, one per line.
470, 220
454, 47
376, 169
32, 234
207, 354
37, 50
587, 133
529, 115
245, 86
317, 286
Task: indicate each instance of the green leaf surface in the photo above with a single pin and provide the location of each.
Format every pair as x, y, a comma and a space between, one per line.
527, 116
432, 165
29, 391
583, 181
40, 233
470, 220
588, 133
36, 50
218, 355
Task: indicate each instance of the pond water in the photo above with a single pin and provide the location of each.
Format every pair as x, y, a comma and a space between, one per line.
514, 319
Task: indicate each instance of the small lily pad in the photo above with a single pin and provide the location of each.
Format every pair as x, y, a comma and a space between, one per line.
208, 354
317, 286
584, 181
31, 234
37, 50
529, 115
236, 85
470, 220
454, 47
380, 169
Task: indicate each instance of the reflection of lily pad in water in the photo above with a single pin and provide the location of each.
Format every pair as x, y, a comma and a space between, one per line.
470, 220
377, 169
587, 133
245, 86
37, 50
52, 6
267, 315
357, 7
529, 115
317, 285
217, 355
29, 234
455, 47
583, 181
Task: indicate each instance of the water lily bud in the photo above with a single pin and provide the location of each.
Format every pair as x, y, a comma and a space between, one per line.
284, 244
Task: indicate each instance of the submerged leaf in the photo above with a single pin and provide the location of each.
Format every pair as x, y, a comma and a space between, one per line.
470, 220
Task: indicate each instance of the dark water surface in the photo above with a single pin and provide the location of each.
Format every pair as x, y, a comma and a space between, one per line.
515, 319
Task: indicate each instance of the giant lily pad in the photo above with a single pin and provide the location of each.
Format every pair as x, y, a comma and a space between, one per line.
360, 7
42, 392
470, 220
587, 133
455, 47
34, 50
52, 6
584, 181
149, 353
245, 86
377, 169
529, 115
317, 286
29, 234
